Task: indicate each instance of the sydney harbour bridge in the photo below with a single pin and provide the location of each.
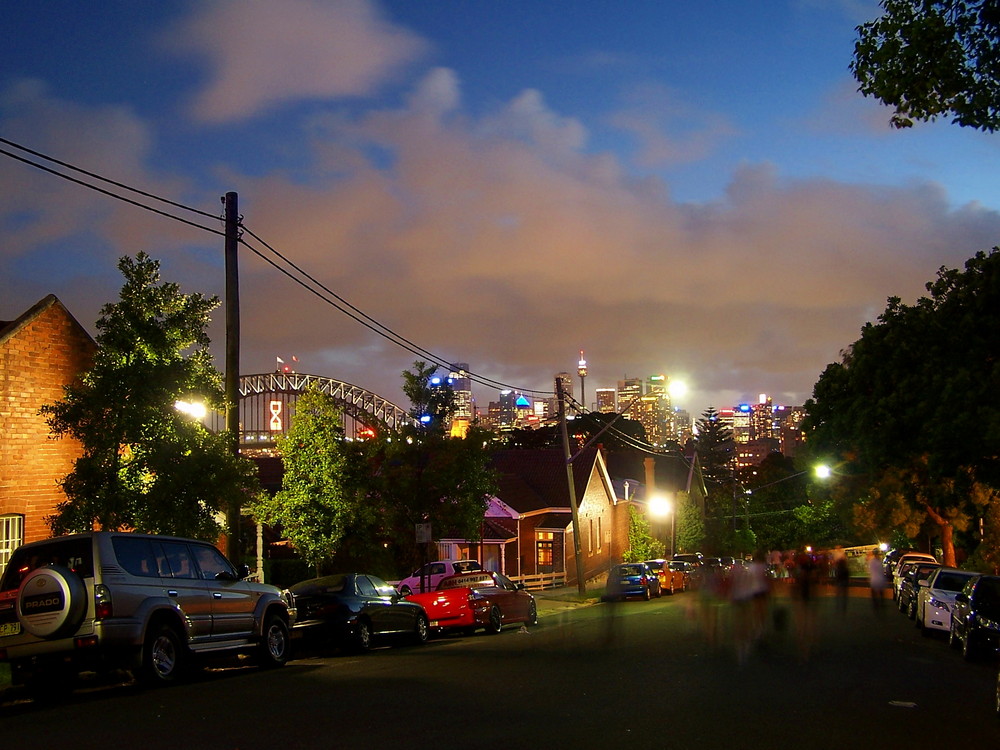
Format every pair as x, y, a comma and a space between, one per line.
267, 407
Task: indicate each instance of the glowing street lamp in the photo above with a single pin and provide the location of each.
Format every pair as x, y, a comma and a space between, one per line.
194, 409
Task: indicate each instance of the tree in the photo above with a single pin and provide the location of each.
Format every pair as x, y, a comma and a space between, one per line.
312, 507
912, 409
690, 524
421, 475
432, 398
927, 58
641, 543
145, 466
714, 444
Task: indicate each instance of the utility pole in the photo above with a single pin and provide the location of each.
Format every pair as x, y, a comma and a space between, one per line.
581, 584
233, 512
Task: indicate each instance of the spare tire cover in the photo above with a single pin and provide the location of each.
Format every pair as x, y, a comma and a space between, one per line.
51, 602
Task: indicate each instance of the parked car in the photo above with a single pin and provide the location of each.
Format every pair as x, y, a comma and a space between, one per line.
909, 587
670, 579
427, 577
112, 600
353, 610
975, 618
481, 599
686, 570
901, 567
695, 560
937, 596
630, 579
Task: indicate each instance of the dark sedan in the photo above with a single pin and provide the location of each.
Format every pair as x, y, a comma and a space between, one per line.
630, 579
975, 618
352, 610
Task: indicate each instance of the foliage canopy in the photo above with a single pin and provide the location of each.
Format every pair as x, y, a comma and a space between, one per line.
927, 58
145, 466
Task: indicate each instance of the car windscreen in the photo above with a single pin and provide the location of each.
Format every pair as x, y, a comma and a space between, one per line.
75, 554
950, 581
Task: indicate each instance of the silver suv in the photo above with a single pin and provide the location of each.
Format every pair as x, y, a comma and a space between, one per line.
112, 600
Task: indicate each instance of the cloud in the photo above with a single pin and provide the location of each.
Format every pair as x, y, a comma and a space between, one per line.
497, 239
502, 242
264, 54
668, 131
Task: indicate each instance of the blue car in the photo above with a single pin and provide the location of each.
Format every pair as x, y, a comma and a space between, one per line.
630, 579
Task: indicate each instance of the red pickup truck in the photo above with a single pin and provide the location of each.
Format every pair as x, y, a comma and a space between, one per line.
479, 599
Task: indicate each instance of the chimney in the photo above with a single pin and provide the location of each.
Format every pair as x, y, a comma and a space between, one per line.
650, 467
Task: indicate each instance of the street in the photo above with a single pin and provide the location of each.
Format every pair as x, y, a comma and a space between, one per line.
634, 674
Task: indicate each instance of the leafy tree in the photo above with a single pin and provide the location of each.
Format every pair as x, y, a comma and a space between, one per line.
422, 475
145, 466
690, 530
927, 58
431, 397
312, 507
912, 408
642, 545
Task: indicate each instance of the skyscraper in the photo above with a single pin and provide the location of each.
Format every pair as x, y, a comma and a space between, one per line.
629, 391
606, 400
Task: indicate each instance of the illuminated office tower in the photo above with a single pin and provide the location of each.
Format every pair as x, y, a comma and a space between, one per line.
606, 400
629, 391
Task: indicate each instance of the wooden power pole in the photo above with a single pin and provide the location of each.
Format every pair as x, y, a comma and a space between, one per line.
233, 512
581, 583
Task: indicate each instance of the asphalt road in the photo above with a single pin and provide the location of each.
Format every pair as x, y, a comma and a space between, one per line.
637, 675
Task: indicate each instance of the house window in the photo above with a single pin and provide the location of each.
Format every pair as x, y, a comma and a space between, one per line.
545, 544
600, 536
11, 537
590, 538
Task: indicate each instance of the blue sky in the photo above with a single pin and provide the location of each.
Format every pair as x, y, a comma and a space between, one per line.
693, 189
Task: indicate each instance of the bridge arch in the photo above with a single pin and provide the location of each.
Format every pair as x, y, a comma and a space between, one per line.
267, 407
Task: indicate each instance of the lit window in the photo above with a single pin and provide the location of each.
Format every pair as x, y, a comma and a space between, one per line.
11, 537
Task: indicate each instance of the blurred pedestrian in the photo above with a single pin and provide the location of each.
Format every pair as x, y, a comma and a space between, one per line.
876, 581
805, 604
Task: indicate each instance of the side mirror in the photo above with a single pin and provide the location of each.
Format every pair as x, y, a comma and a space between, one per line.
924, 582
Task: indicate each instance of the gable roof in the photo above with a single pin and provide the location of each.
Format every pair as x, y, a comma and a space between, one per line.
9, 328
534, 479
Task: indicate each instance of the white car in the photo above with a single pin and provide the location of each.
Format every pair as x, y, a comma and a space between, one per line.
902, 566
937, 597
428, 576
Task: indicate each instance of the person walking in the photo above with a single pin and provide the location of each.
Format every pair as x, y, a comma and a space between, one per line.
876, 581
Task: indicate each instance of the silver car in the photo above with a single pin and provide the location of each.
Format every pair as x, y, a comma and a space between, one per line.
149, 604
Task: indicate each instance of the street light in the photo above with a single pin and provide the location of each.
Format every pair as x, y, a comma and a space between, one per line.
194, 409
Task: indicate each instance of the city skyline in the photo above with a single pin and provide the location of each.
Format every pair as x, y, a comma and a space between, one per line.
669, 188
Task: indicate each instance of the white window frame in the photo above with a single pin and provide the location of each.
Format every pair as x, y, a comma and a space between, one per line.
11, 536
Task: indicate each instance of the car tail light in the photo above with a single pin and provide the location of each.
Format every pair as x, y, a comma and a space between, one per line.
102, 602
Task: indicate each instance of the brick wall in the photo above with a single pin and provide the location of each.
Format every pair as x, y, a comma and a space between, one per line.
45, 349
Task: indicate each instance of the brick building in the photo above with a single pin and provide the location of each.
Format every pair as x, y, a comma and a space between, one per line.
40, 352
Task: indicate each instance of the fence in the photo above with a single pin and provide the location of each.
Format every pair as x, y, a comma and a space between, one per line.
541, 581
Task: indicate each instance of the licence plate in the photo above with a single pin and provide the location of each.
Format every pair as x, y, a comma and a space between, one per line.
435, 623
10, 628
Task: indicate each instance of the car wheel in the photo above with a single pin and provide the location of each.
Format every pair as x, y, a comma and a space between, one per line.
532, 613
953, 639
421, 629
162, 657
646, 595
911, 610
496, 621
900, 605
274, 643
671, 587
363, 638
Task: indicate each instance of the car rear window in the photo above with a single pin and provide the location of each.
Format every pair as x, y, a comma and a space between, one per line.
75, 554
